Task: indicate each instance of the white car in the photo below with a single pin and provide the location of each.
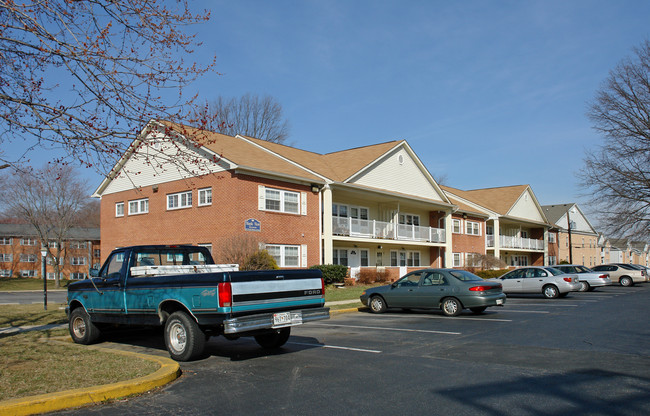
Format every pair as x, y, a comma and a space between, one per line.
588, 278
548, 281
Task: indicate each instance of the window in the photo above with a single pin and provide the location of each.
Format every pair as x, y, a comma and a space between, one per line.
409, 219
340, 257
413, 259
205, 196
4, 257
28, 273
50, 260
28, 258
457, 260
119, 209
472, 260
455, 226
78, 244
5, 273
281, 201
364, 258
285, 256
379, 261
489, 230
551, 237
96, 253
179, 200
139, 206
78, 276
28, 242
4, 241
473, 228
52, 244
78, 261
552, 260
404, 258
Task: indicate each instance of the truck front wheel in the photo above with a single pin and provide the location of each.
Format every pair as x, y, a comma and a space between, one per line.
184, 339
82, 330
274, 339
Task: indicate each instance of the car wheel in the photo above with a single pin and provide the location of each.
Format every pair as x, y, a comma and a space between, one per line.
274, 339
184, 339
626, 281
550, 292
377, 304
451, 307
478, 310
584, 287
82, 329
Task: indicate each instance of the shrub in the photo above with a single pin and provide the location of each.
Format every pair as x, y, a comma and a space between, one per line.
367, 276
489, 274
332, 273
261, 260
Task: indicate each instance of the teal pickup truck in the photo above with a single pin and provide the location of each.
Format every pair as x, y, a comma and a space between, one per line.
181, 289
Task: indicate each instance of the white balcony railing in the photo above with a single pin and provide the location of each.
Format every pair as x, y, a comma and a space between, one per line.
516, 242
353, 227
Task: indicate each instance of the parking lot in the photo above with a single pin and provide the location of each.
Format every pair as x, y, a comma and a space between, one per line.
588, 353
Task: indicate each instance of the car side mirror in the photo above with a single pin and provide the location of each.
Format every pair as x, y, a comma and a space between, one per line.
394, 284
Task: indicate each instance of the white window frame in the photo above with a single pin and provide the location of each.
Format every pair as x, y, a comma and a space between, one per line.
457, 259
409, 219
139, 206
6, 241
78, 244
27, 258
205, 197
179, 200
456, 225
338, 256
5, 273
78, 276
405, 258
281, 199
119, 209
28, 273
6, 257
78, 261
28, 241
279, 253
472, 227
552, 238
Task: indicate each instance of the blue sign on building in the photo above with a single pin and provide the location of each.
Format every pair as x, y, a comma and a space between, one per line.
252, 224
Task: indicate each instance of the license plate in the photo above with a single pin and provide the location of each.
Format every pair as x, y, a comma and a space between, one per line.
287, 319
499, 301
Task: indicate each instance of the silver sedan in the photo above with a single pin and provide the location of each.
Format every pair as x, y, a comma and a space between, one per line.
588, 278
548, 281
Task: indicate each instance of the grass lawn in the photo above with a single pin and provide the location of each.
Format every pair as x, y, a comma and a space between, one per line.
30, 365
334, 294
21, 283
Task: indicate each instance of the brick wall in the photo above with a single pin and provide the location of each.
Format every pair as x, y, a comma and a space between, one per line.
234, 200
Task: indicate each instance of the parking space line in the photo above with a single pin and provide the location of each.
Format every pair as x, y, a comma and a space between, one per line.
545, 304
516, 311
455, 318
335, 347
427, 331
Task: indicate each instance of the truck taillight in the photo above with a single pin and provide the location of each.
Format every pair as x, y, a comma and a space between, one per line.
225, 295
322, 286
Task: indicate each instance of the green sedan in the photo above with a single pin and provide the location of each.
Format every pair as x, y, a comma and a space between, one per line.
450, 290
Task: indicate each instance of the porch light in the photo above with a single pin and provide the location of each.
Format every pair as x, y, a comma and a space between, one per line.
315, 188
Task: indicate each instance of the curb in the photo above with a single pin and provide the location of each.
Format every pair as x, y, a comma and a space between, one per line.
169, 371
348, 310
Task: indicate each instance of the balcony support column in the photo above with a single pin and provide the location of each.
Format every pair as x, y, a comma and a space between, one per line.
497, 238
328, 244
449, 254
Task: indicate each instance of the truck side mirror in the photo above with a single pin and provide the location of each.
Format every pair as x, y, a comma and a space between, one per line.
94, 272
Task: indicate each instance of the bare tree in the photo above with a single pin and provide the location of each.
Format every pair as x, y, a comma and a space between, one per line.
617, 174
84, 76
49, 199
485, 262
249, 115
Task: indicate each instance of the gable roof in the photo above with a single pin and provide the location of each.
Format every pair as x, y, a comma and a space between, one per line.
499, 200
555, 213
28, 230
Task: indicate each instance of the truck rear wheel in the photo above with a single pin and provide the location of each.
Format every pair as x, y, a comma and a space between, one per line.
184, 339
274, 339
82, 329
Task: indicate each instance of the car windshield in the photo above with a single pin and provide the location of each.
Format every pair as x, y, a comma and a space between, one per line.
464, 275
553, 271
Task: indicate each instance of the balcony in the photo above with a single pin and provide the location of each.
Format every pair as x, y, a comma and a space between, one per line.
516, 243
353, 227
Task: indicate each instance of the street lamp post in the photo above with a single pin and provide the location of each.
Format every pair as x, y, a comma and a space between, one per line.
43, 254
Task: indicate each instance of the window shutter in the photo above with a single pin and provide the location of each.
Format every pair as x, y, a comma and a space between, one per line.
261, 194
303, 254
303, 203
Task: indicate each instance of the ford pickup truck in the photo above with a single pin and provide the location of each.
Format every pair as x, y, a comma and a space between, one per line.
181, 289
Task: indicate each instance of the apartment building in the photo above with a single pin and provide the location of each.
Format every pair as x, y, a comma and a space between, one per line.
577, 239
20, 252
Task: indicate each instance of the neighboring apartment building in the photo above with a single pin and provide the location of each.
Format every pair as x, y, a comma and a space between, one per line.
369, 206
604, 247
577, 239
20, 252
514, 224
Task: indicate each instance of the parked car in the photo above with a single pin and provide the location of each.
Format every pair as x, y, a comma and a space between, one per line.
548, 281
645, 270
447, 289
621, 273
588, 278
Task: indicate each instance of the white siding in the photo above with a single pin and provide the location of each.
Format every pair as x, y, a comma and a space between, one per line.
526, 208
140, 171
581, 223
398, 172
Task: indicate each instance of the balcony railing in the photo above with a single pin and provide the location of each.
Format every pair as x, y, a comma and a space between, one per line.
516, 242
353, 227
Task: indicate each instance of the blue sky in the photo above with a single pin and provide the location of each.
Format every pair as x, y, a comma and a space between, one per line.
488, 93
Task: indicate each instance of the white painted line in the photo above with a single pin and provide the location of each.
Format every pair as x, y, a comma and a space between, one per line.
455, 318
9, 303
508, 310
546, 304
389, 329
336, 347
